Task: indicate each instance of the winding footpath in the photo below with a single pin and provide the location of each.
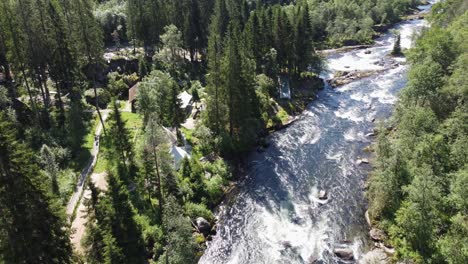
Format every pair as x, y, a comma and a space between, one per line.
75, 198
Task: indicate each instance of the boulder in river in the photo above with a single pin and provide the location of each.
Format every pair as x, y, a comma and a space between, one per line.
312, 259
344, 253
372, 134
286, 244
362, 161
367, 52
368, 220
203, 225
323, 195
377, 234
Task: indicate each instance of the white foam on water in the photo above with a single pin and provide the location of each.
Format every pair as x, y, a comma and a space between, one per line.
334, 156
277, 228
354, 61
361, 97
352, 114
353, 135
310, 137
384, 83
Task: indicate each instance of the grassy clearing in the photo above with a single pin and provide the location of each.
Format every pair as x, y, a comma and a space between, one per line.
83, 156
134, 123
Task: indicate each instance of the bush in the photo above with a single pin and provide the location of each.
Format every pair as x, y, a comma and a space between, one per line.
116, 85
194, 210
214, 188
103, 96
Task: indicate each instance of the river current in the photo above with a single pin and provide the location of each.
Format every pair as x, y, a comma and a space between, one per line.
276, 216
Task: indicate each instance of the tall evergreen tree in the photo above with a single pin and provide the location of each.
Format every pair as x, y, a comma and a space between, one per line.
31, 227
121, 144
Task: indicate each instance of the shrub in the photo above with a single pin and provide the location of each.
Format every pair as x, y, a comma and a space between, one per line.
104, 97
194, 210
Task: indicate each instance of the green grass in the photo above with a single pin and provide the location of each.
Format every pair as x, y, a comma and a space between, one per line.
82, 157
188, 133
282, 115
101, 163
133, 122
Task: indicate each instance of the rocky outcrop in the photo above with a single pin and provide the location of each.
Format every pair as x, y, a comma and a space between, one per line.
344, 253
345, 77
203, 225
376, 255
377, 234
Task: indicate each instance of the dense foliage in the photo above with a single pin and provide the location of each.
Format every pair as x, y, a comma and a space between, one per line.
419, 189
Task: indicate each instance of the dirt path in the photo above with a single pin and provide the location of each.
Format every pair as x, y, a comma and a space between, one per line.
88, 169
78, 224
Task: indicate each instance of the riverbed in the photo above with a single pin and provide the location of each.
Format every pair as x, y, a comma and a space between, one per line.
277, 217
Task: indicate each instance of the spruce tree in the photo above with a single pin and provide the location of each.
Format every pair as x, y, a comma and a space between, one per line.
396, 51
121, 145
121, 223
93, 241
32, 229
216, 112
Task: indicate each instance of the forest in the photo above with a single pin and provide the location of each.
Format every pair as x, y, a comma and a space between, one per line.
66, 68
418, 191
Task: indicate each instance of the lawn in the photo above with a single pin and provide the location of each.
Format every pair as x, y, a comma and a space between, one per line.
133, 122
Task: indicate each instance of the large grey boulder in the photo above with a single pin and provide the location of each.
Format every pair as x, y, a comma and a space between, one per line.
344, 253
203, 225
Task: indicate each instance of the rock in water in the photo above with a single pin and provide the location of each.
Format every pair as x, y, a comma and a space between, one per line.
362, 161
286, 244
312, 260
344, 253
203, 225
377, 234
323, 195
368, 220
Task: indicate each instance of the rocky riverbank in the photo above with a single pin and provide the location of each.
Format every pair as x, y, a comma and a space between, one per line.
344, 77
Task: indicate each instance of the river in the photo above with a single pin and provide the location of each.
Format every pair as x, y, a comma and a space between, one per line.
276, 216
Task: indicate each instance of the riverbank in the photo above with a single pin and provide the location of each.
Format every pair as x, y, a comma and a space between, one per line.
418, 170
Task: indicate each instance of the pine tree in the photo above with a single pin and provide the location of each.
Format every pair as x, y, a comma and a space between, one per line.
93, 240
31, 227
180, 248
89, 39
216, 112
11, 27
121, 223
396, 51
154, 139
50, 166
237, 73
121, 146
